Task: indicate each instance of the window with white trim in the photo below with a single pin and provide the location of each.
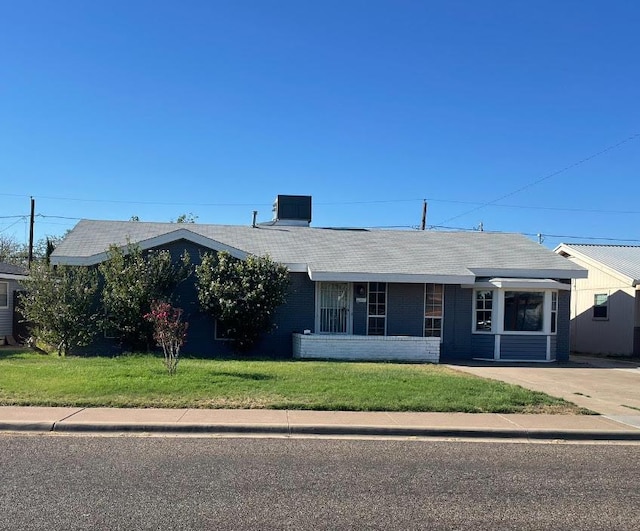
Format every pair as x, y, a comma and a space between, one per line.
377, 309
433, 307
515, 311
601, 306
483, 310
4, 294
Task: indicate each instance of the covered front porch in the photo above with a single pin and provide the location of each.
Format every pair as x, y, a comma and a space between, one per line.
370, 348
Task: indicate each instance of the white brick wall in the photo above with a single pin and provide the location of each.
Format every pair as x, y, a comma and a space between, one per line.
366, 348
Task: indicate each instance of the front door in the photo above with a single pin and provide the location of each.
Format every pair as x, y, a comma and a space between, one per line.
334, 308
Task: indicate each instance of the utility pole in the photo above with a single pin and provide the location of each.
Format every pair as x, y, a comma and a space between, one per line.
31, 222
423, 224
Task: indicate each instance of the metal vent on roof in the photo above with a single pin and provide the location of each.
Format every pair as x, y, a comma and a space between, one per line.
292, 209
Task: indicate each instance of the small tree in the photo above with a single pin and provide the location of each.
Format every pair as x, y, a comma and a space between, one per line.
60, 305
169, 331
16, 253
132, 280
241, 294
11, 251
186, 218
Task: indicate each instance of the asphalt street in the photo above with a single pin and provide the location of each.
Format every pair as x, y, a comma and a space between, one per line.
64, 482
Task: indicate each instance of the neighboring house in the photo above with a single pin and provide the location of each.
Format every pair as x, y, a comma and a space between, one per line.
10, 277
372, 294
605, 312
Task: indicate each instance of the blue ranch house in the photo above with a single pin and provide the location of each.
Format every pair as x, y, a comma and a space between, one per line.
361, 294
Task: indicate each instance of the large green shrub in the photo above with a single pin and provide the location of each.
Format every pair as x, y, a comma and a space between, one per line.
241, 295
132, 279
61, 305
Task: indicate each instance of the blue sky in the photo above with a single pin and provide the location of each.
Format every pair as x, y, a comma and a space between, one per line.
110, 109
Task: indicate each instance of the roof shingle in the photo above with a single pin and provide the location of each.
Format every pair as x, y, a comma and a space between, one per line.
415, 254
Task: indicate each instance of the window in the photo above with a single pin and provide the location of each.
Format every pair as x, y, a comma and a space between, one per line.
523, 311
433, 310
601, 306
377, 309
483, 310
4, 294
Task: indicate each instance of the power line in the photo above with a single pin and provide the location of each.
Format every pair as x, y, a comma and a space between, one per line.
320, 203
539, 234
541, 179
531, 207
600, 238
13, 224
374, 201
58, 217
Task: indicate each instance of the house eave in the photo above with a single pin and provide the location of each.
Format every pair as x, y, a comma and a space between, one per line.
578, 272
11, 276
151, 243
395, 278
520, 283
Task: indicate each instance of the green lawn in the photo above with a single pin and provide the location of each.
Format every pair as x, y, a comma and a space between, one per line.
27, 378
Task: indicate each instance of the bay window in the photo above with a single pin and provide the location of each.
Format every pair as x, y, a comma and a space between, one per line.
513, 311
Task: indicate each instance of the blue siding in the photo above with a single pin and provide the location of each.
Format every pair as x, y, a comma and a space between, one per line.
457, 340
296, 315
405, 317
482, 346
515, 347
405, 310
554, 347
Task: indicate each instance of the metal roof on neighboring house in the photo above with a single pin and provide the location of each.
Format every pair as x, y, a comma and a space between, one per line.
337, 254
623, 259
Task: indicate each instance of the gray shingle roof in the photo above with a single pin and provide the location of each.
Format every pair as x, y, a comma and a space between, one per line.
10, 269
337, 254
625, 259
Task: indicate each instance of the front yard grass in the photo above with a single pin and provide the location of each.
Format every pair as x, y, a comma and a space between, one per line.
32, 379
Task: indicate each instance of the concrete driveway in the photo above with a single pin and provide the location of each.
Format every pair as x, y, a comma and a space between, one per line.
608, 387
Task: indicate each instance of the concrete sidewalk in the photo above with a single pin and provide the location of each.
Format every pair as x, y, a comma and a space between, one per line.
301, 423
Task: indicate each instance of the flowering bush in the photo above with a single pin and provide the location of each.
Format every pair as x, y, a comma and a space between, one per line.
169, 331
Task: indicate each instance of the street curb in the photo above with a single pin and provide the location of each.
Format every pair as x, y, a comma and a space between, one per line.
79, 427
26, 425
326, 430
472, 433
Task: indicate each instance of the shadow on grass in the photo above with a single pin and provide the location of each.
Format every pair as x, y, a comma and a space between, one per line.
255, 376
14, 352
